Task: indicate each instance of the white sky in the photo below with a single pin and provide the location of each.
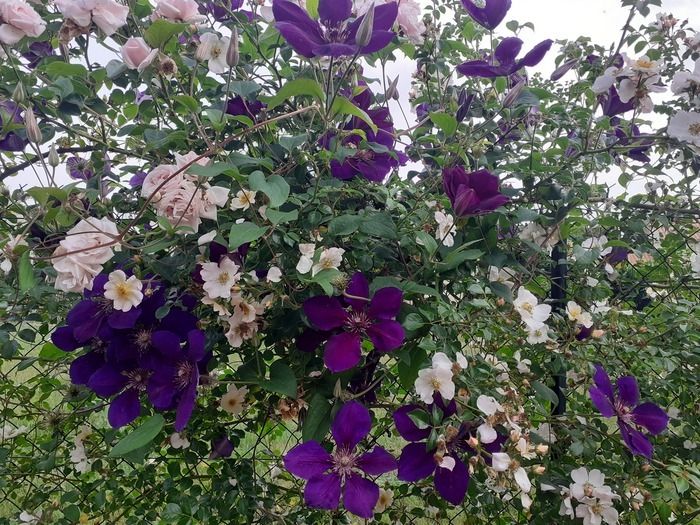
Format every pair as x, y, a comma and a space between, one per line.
601, 20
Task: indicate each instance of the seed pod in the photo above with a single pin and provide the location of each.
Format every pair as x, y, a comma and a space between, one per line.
32, 127
232, 53
364, 32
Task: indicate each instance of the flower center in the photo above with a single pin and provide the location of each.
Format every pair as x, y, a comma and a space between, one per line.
343, 462
223, 278
436, 384
123, 291
143, 340
358, 322
183, 374
694, 129
366, 155
528, 308
623, 412
137, 379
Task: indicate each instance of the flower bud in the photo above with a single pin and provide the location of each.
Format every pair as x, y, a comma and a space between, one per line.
542, 449
19, 95
32, 127
232, 54
563, 69
513, 94
597, 334
364, 32
53, 159
538, 470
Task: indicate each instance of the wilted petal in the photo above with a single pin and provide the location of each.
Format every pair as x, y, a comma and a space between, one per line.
651, 417
124, 408
325, 313
386, 303
405, 425
377, 461
415, 462
307, 460
351, 424
323, 491
360, 495
637, 442
342, 352
386, 335
628, 390
452, 484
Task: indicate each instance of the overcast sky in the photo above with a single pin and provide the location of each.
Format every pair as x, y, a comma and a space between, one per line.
601, 20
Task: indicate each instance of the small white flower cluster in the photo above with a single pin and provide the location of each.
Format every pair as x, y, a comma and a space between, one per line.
212, 49
637, 79
594, 498
326, 259
233, 401
578, 314
124, 293
446, 228
78, 456
438, 378
505, 276
533, 315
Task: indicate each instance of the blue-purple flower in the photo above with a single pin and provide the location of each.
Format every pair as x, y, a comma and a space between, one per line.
220, 9
346, 324
239, 106
343, 470
489, 16
10, 114
36, 52
472, 193
334, 35
79, 169
623, 403
504, 62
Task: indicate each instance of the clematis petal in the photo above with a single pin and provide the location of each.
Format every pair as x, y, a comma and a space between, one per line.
360, 495
415, 462
124, 408
342, 352
334, 49
123, 320
484, 182
325, 313
491, 204
333, 12
302, 41
323, 491
535, 55
508, 50
107, 381
195, 345
82, 368
358, 287
386, 303
63, 338
481, 68
405, 425
310, 340
602, 381
384, 18
466, 202
386, 335
351, 424
637, 442
496, 11
628, 390
452, 484
651, 417
285, 11
187, 402
601, 402
167, 343
377, 461
379, 40
308, 460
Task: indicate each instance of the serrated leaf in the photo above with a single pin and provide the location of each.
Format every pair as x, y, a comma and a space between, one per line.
243, 233
139, 437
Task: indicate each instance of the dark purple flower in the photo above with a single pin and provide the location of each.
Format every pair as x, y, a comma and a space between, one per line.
137, 179
617, 255
79, 169
220, 9
37, 52
141, 96
472, 193
10, 113
329, 474
238, 106
623, 403
489, 16
221, 448
124, 384
366, 318
632, 147
505, 56
612, 105
334, 35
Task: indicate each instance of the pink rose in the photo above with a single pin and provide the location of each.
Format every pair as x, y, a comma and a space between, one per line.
109, 16
178, 11
137, 54
17, 20
161, 175
410, 20
79, 11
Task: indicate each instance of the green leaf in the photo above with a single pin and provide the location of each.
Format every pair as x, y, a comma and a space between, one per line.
446, 122
50, 352
413, 321
420, 418
65, 69
160, 31
427, 242
457, 257
243, 233
325, 279
295, 88
344, 225
139, 437
212, 170
379, 225
281, 217
26, 273
342, 106
282, 380
318, 419
275, 187
312, 8
544, 392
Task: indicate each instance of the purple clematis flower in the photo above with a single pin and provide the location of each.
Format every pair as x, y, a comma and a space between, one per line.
505, 54
366, 318
334, 35
624, 405
10, 113
612, 105
329, 474
489, 16
220, 9
79, 169
472, 193
238, 106
37, 52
